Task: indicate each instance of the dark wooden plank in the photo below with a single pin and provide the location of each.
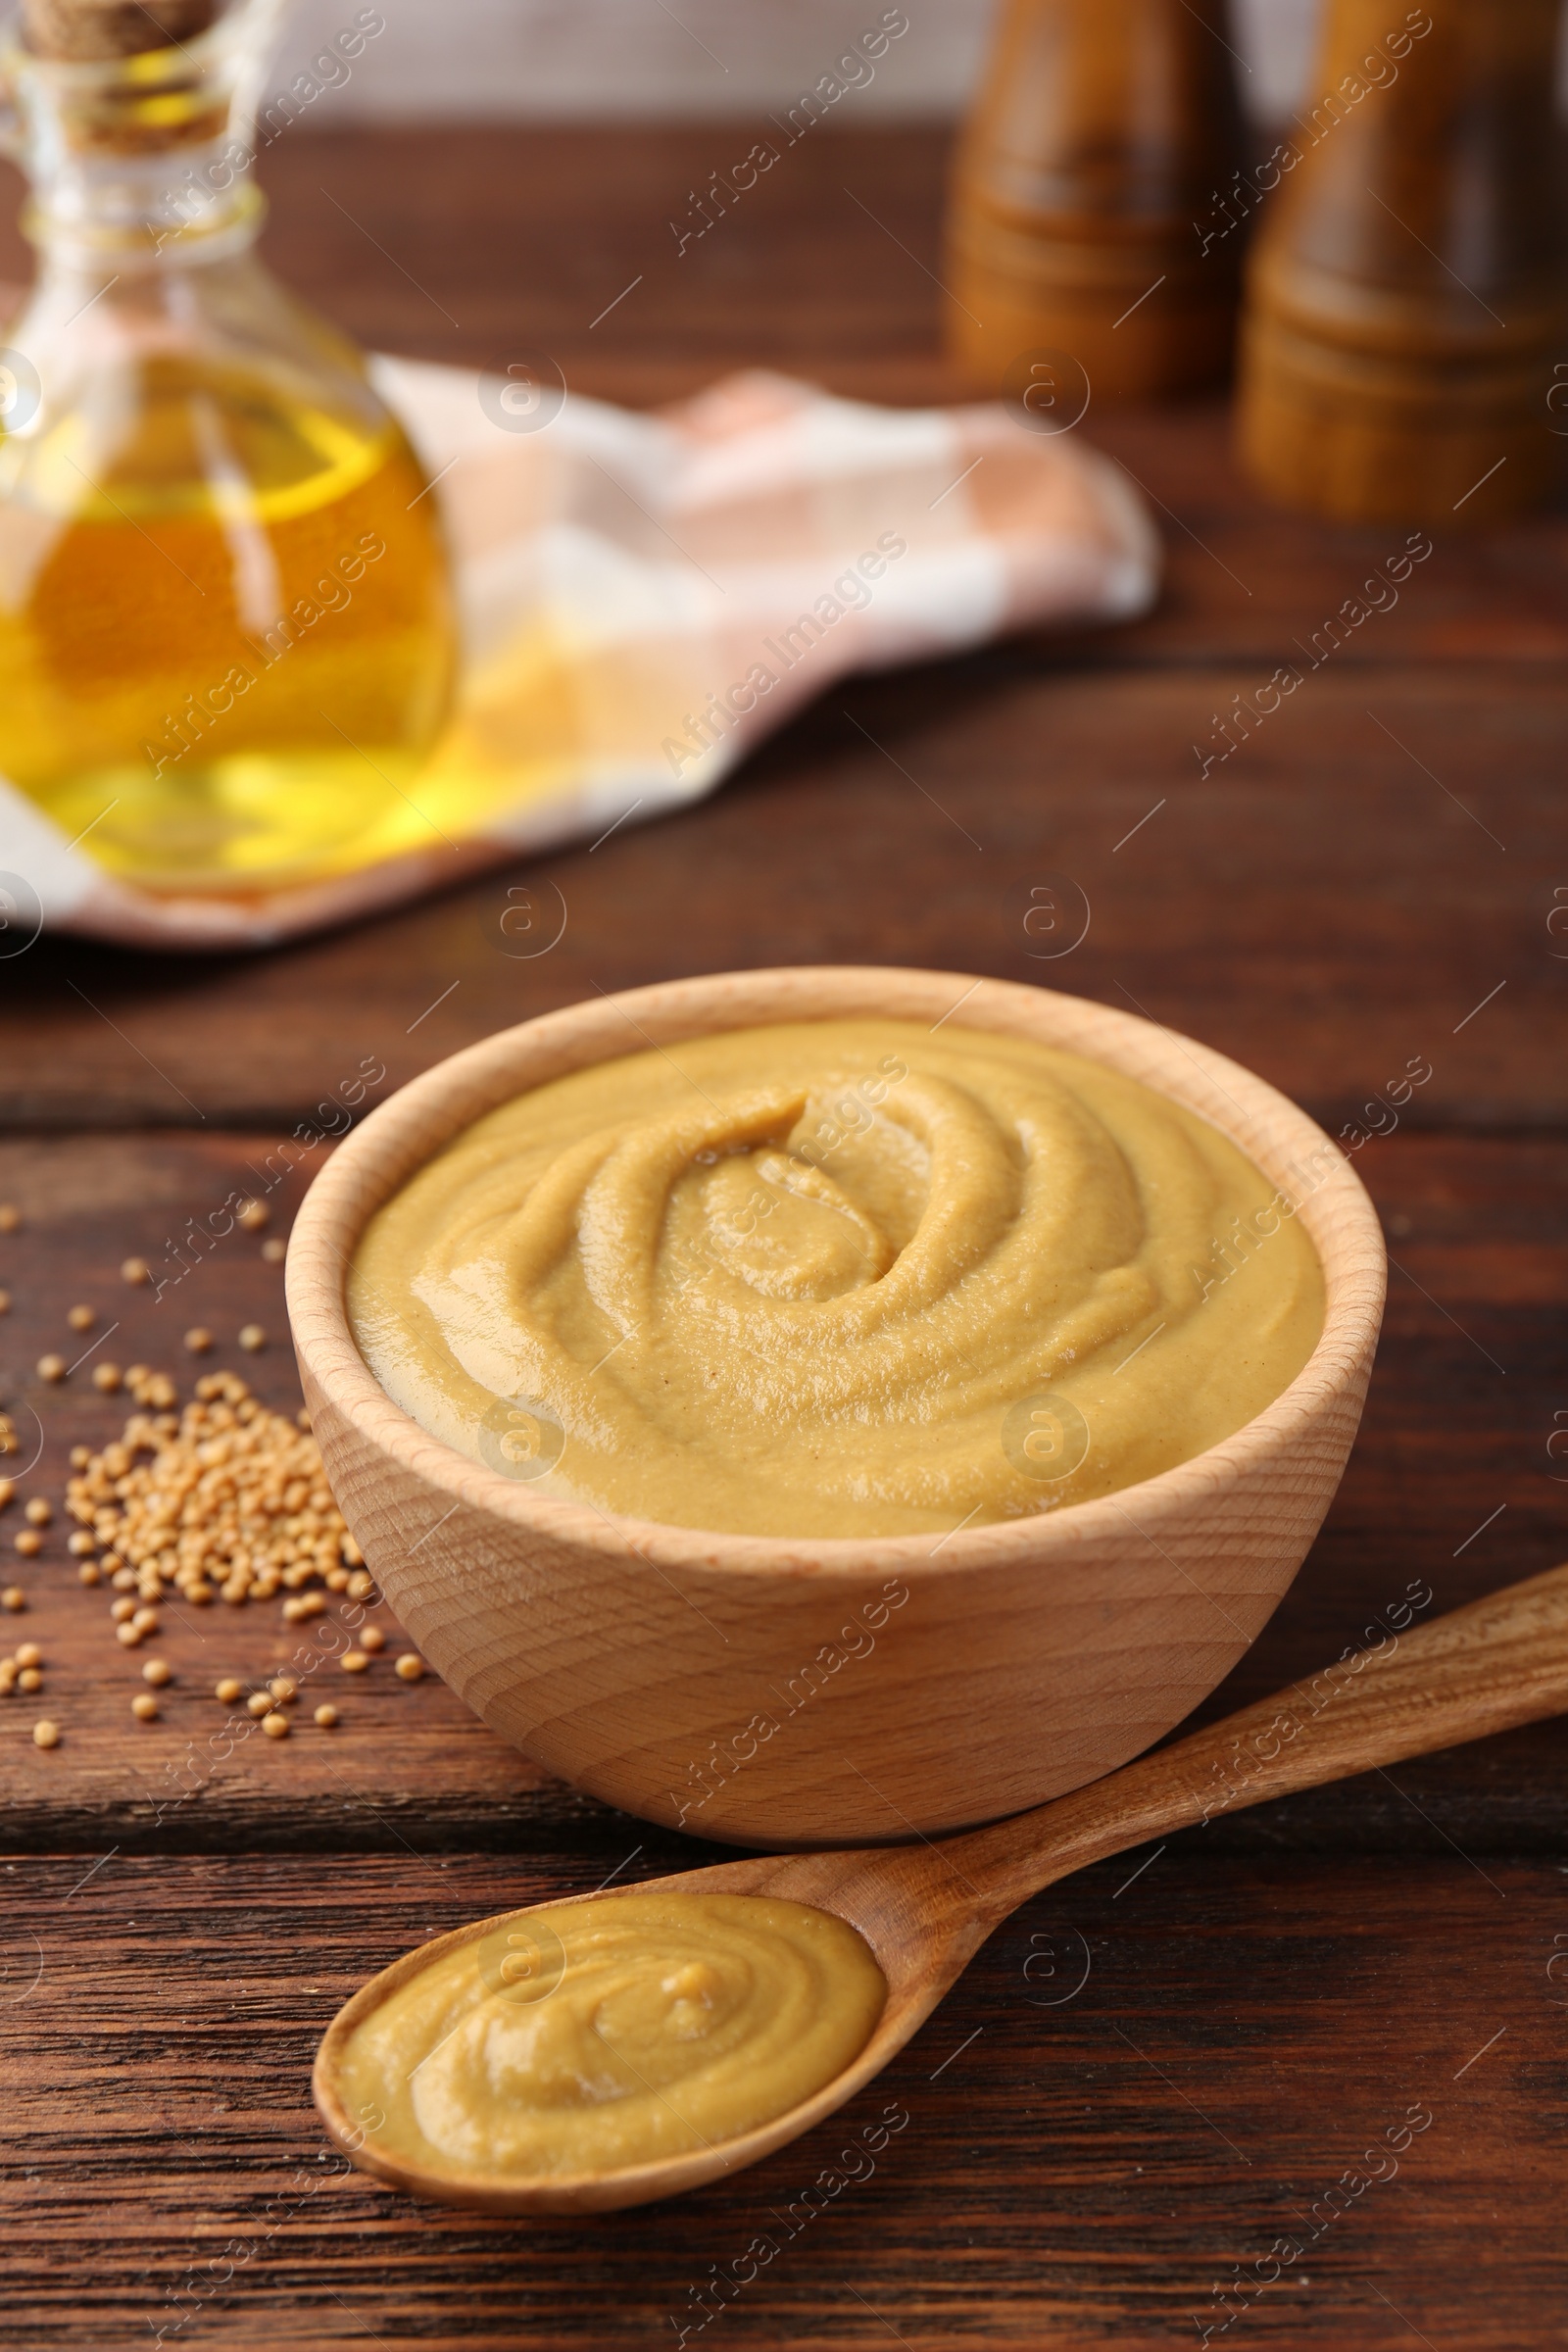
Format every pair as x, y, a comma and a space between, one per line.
1464, 1400
1324, 904
1078, 2158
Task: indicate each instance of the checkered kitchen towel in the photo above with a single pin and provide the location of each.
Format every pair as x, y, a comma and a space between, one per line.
645, 597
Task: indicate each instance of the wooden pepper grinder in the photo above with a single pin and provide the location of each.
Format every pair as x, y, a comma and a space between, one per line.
1406, 295
1084, 204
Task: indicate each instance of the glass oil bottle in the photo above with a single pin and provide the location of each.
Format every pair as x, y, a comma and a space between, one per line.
226, 641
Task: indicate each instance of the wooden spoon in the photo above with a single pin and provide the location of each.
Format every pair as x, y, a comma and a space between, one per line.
926, 1909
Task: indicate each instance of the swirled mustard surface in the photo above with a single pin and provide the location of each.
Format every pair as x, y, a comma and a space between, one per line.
586, 2037
836, 1278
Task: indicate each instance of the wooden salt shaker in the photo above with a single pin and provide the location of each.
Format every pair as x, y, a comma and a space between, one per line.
1094, 154
1406, 299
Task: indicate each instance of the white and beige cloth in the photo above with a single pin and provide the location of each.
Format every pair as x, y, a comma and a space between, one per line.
645, 597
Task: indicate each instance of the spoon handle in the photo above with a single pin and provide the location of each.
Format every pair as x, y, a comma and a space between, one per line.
1500, 1662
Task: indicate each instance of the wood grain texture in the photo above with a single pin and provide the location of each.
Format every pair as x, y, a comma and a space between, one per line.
1103, 2150
1318, 908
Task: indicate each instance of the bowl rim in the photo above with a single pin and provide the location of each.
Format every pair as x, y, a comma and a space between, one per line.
454, 1092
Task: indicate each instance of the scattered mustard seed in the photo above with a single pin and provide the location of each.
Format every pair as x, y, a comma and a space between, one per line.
121, 1608
274, 1251
276, 1726
144, 1706
51, 1367
146, 1621
230, 1688
108, 1378
135, 1269
81, 1545
7, 1488
5, 1302
229, 1500
282, 1688
354, 1661
252, 1337
39, 1511
81, 1456
46, 1735
81, 1318
260, 1703
253, 1215
326, 1716
158, 1670
29, 1654
372, 1637
13, 1597
410, 1667
129, 1635
10, 1218
30, 1679
198, 1340
90, 1573
29, 1543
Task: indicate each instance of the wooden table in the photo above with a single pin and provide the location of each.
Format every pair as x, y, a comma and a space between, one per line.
1159, 2070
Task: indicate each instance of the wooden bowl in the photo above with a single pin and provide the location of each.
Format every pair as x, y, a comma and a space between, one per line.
644, 1662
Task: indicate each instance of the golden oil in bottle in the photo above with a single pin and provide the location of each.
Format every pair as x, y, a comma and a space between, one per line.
227, 643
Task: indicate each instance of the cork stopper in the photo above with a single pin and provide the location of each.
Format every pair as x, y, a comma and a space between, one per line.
85, 32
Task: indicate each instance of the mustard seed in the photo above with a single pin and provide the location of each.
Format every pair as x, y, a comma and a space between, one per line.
276, 1726
410, 1667
354, 1661
29, 1654
260, 1703
51, 1367
229, 1690
158, 1670
282, 1688
107, 1378
81, 1456
7, 1488
130, 1635
46, 1735
90, 1573
122, 1608
146, 1621
81, 1318
372, 1638
145, 1706
30, 1679
13, 1597
198, 1340
252, 1337
39, 1511
253, 1215
135, 1269
326, 1716
5, 1302
10, 1218
274, 1251
81, 1545
29, 1543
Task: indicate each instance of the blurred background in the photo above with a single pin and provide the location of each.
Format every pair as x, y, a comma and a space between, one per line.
566, 59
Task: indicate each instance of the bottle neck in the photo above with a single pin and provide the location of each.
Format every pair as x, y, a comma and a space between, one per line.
143, 163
